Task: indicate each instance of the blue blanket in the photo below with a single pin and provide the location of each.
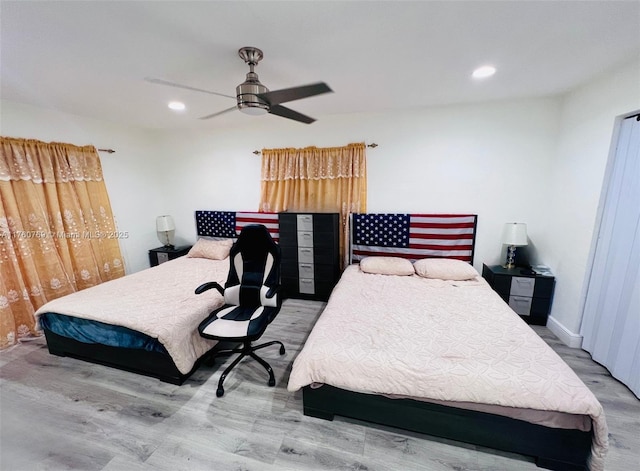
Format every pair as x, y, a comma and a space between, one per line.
88, 331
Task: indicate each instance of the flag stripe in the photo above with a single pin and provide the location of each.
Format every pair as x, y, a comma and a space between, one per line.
269, 220
430, 235
440, 219
418, 238
444, 245
436, 225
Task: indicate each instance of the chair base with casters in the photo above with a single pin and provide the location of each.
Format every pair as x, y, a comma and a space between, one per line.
251, 296
248, 350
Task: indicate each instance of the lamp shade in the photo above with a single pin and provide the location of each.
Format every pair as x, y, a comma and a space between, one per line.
166, 230
165, 223
514, 233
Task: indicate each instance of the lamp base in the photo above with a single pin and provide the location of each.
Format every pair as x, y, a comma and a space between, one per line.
166, 237
511, 255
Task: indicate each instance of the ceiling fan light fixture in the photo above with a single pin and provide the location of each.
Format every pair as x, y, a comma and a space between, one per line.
253, 109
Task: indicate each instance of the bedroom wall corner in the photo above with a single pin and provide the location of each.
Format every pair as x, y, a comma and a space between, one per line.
131, 173
587, 119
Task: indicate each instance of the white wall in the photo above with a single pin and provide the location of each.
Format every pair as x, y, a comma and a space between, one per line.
587, 117
131, 174
491, 159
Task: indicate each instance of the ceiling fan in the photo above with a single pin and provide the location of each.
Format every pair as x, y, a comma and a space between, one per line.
254, 98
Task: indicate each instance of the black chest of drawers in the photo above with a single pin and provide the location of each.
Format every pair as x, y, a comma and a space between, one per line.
528, 295
310, 244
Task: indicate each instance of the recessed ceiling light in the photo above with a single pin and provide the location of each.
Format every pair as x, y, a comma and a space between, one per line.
484, 71
176, 105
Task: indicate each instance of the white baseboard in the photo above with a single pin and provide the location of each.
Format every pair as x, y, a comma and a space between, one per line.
567, 337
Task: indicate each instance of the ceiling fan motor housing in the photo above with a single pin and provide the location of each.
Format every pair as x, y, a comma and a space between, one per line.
248, 101
246, 92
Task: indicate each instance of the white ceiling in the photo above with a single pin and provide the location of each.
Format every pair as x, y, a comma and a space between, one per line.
90, 58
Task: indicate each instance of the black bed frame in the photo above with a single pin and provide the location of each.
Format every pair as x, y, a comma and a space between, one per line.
552, 448
155, 364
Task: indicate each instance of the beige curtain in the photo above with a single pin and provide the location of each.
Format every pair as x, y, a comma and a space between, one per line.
329, 179
57, 232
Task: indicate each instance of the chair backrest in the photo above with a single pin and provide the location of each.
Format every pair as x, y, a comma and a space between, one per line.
254, 269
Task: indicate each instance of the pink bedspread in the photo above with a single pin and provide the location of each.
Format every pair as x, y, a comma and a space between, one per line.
159, 302
440, 340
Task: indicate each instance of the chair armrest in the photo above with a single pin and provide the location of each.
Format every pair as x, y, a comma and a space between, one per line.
207, 286
272, 292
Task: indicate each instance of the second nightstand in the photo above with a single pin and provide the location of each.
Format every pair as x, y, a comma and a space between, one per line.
164, 254
529, 295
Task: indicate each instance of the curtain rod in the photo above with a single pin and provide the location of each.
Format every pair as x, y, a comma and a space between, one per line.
373, 145
108, 151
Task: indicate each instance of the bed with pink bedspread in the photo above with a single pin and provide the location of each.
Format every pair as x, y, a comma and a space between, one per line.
451, 359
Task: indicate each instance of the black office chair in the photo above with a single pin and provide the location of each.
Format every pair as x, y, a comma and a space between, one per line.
251, 296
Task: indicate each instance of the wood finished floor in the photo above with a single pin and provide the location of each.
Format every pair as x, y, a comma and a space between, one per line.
64, 414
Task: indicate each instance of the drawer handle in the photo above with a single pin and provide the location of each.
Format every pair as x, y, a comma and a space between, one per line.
305, 250
305, 266
524, 282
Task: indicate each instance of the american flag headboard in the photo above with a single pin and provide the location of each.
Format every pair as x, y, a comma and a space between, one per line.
230, 223
413, 236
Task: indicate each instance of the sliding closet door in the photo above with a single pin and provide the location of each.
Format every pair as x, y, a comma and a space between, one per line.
611, 318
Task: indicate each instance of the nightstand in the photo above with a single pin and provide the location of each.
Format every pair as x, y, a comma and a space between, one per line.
164, 254
529, 295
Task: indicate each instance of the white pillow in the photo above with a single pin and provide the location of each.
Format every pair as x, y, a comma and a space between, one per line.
212, 249
445, 269
387, 266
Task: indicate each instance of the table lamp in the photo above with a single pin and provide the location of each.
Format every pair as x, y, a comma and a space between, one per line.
514, 235
166, 230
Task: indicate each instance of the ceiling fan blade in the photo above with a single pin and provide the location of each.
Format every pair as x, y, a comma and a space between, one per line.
296, 93
209, 116
289, 113
186, 87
